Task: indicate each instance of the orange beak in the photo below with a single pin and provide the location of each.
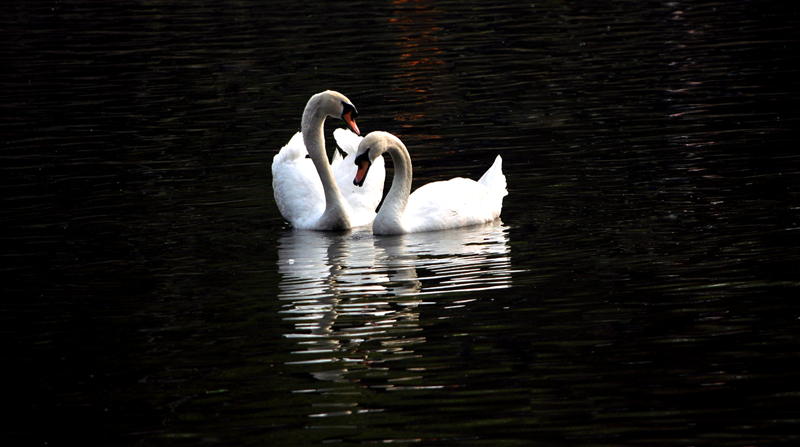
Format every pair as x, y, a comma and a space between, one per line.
363, 163
351, 122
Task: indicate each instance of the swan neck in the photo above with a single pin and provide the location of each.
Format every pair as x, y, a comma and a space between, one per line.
312, 128
390, 216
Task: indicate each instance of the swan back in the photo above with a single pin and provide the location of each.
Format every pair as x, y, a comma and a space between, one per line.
454, 203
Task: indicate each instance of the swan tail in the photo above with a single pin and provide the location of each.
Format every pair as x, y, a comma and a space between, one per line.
494, 178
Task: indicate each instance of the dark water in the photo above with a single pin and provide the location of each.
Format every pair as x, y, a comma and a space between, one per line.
641, 288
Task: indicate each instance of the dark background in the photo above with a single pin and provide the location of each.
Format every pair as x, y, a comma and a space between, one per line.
652, 218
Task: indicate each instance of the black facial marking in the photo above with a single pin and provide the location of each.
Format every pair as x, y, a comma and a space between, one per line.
364, 156
347, 107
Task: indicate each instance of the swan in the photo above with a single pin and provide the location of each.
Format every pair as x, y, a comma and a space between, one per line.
312, 193
439, 205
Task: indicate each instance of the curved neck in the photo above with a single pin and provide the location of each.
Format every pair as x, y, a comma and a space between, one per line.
390, 216
312, 128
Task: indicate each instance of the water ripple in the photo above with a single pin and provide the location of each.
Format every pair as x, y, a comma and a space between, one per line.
354, 299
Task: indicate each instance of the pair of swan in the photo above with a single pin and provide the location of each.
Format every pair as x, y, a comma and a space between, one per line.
312, 193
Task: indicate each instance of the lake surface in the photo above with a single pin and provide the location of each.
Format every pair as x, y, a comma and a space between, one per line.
640, 288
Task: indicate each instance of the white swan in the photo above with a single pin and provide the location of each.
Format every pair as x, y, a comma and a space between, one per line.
441, 205
314, 194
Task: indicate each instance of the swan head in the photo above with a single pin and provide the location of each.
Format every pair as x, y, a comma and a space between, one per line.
370, 148
336, 105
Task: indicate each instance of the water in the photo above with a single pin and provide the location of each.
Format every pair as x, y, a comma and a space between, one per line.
639, 289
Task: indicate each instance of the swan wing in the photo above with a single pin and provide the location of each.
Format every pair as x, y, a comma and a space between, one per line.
363, 200
296, 184
347, 140
457, 202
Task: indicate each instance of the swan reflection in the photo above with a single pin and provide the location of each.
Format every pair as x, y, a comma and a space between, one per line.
354, 298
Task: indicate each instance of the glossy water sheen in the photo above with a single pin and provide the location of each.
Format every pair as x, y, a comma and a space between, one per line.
640, 289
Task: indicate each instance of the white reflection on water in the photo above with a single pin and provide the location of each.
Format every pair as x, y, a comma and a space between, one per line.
355, 298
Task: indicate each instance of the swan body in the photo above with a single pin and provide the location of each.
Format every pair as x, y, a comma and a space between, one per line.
440, 205
312, 193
